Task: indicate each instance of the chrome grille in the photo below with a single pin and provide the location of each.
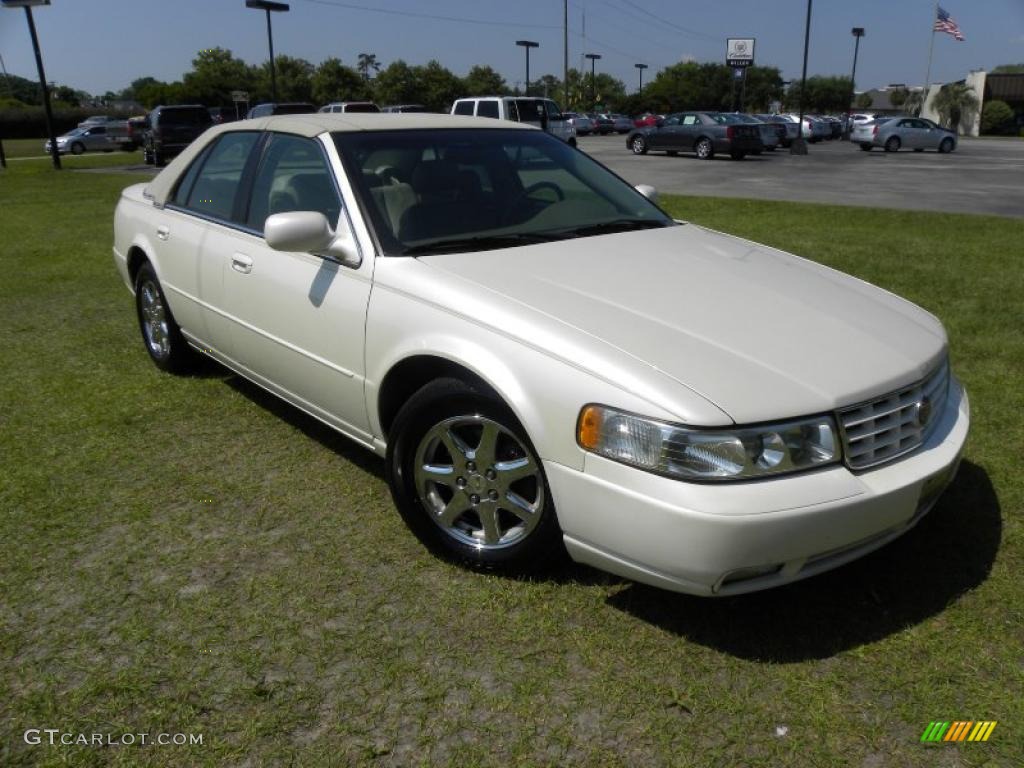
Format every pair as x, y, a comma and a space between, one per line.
895, 424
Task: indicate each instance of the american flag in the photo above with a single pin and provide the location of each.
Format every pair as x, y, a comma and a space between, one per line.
946, 23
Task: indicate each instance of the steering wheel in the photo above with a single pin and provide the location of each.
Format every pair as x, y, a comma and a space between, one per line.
519, 199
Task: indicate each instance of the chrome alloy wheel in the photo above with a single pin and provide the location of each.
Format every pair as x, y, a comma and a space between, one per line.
154, 320
478, 482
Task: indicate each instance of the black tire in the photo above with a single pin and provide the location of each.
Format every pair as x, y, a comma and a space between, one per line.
161, 335
704, 148
158, 159
77, 148
867, 147
946, 146
916, 149
671, 152
892, 144
473, 488
737, 155
638, 145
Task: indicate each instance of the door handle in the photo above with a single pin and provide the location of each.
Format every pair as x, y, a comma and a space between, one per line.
163, 232
241, 263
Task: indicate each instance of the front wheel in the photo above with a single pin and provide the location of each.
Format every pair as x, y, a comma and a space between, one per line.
166, 346
638, 145
77, 148
866, 147
946, 146
705, 149
467, 481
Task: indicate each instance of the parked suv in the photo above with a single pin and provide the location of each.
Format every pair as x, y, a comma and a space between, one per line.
290, 108
171, 129
520, 109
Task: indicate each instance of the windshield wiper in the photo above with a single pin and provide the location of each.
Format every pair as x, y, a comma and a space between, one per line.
610, 227
480, 243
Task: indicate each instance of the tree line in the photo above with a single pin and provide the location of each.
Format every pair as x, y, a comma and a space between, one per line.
215, 73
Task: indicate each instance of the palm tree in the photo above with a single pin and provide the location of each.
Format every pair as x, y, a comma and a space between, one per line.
913, 102
367, 61
952, 101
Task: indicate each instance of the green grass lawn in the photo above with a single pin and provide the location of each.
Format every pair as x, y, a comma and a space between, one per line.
191, 555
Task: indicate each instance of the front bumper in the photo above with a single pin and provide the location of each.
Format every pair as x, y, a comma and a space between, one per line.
723, 539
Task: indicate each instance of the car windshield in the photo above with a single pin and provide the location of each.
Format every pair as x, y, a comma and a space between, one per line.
433, 191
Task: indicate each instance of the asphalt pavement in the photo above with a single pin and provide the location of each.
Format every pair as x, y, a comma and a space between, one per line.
981, 176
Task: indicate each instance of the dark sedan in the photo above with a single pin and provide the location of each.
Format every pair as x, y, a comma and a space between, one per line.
705, 133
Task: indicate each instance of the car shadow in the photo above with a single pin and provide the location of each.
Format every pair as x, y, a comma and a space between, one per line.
950, 552
313, 428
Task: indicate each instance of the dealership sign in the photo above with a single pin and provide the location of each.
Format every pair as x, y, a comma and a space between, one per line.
739, 51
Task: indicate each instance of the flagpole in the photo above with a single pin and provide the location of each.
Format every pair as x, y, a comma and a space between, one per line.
931, 48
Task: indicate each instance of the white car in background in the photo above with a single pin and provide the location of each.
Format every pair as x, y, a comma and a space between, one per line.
542, 356
541, 113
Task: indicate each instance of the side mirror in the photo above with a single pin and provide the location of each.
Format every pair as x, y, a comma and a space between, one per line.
309, 232
648, 191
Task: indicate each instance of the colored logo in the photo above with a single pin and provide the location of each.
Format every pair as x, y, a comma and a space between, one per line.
959, 730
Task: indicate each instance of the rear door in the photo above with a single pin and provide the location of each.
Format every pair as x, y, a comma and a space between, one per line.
202, 207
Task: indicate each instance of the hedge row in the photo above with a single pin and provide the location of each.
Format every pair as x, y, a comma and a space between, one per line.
30, 122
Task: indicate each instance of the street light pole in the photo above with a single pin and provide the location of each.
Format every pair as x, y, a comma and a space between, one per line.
799, 146
641, 67
27, 5
527, 44
268, 6
593, 82
858, 33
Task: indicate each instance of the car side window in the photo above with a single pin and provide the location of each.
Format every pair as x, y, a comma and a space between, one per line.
185, 183
464, 108
673, 120
690, 120
487, 109
216, 185
293, 176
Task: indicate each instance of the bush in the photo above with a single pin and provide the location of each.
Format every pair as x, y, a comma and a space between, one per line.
30, 122
997, 118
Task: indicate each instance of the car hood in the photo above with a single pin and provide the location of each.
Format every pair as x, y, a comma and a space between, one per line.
760, 333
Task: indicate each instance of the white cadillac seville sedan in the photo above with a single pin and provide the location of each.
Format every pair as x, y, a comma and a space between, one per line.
542, 355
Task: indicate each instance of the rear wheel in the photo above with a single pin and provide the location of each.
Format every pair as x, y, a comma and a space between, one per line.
638, 145
77, 148
467, 481
705, 149
946, 146
166, 346
892, 144
866, 147
737, 155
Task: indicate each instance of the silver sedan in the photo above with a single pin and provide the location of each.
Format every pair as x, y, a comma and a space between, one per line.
897, 133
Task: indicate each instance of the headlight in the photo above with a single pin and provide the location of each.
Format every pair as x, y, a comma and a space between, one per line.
739, 453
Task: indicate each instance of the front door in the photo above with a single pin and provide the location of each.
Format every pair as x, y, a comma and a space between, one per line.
297, 319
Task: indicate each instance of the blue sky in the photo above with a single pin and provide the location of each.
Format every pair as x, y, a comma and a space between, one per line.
98, 45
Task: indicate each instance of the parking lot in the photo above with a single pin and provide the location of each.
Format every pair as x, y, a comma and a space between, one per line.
981, 176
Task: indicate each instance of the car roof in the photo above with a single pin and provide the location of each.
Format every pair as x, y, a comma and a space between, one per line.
312, 125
